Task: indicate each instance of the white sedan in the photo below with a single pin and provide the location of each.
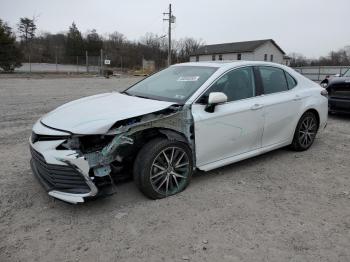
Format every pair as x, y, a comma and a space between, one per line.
160, 130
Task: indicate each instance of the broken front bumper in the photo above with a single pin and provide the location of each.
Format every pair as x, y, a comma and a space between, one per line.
65, 182
63, 173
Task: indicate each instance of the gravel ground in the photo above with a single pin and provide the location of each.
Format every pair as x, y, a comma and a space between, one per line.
281, 206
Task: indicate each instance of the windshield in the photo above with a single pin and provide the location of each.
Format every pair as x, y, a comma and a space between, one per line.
347, 73
175, 84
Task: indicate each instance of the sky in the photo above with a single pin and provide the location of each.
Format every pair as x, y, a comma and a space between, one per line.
310, 27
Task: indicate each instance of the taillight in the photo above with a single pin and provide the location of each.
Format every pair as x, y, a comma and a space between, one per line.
324, 93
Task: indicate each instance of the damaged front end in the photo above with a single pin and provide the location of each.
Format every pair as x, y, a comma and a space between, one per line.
75, 168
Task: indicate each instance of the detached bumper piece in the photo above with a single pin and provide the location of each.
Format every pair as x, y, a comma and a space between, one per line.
62, 182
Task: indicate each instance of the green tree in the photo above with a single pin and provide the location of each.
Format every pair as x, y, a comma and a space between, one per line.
74, 44
26, 29
10, 55
94, 43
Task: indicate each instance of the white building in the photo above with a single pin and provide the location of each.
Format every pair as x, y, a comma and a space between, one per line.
259, 50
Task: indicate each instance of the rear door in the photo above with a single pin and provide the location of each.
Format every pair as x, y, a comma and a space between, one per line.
281, 105
234, 127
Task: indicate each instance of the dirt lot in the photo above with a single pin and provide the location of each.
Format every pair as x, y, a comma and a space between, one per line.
281, 206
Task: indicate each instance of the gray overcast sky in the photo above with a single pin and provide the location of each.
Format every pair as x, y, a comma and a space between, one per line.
310, 27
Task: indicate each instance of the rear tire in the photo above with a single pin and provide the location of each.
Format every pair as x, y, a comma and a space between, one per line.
305, 132
163, 168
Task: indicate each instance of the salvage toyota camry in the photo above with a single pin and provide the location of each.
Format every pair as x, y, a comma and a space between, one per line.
160, 130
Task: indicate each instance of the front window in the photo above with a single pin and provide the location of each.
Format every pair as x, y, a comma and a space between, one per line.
236, 85
239, 56
213, 57
174, 84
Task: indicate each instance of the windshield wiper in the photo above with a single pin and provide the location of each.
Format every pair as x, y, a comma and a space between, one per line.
127, 93
144, 97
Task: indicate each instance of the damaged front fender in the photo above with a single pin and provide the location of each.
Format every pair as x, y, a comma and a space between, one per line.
101, 166
175, 123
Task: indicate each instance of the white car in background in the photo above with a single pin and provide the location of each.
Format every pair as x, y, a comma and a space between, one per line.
189, 116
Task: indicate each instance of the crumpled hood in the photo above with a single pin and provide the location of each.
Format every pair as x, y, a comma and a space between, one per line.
97, 114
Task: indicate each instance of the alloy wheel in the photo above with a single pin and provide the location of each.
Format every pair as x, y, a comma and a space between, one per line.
307, 131
169, 171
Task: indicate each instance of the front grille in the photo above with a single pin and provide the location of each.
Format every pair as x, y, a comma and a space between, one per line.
57, 177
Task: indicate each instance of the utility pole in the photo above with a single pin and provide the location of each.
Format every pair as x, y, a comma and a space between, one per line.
56, 59
143, 64
101, 63
87, 61
77, 64
171, 20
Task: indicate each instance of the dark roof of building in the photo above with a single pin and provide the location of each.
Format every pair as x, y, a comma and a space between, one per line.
238, 47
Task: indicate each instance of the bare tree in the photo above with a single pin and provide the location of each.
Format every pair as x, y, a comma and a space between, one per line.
297, 59
151, 40
186, 47
117, 38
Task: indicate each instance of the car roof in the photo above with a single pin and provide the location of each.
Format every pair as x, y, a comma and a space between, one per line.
229, 63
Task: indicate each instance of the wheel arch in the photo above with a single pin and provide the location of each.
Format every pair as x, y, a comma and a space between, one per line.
142, 137
315, 112
168, 133
295, 144
312, 110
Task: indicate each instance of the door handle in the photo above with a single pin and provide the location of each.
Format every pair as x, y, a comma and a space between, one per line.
256, 107
297, 98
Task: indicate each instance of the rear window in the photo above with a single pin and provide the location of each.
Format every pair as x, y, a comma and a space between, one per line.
291, 81
273, 79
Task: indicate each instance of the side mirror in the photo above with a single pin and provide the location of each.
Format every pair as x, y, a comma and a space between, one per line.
214, 99
337, 75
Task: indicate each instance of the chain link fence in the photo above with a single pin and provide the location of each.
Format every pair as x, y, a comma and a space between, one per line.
319, 73
105, 63
82, 64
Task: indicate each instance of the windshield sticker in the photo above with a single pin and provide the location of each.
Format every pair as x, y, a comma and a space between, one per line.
188, 78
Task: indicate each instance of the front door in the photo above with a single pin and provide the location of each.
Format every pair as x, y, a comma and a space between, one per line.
234, 127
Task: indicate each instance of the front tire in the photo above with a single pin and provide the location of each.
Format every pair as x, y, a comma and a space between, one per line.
163, 168
305, 132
